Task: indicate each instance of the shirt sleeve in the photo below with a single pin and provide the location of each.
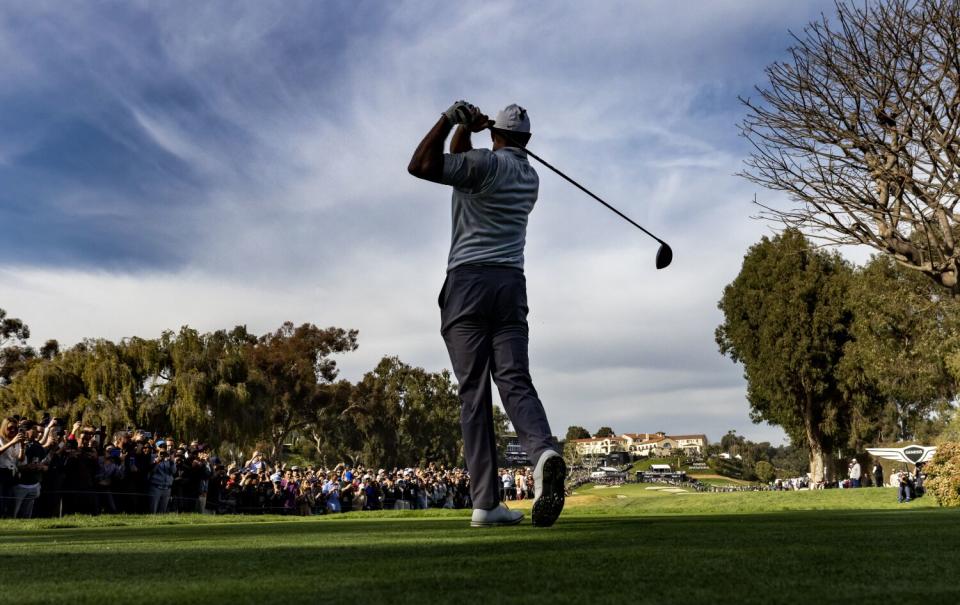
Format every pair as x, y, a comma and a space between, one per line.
468, 170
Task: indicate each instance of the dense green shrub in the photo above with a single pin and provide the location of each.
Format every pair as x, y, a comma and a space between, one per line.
943, 474
764, 471
732, 468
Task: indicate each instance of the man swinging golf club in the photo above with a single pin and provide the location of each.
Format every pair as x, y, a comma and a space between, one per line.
483, 302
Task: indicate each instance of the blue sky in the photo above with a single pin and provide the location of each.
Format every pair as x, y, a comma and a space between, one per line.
244, 162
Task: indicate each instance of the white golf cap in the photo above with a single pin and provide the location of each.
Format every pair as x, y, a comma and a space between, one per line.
513, 118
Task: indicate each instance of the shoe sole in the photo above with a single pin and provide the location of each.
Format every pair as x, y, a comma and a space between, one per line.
500, 524
547, 508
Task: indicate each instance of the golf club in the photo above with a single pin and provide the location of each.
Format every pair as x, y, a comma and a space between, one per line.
664, 254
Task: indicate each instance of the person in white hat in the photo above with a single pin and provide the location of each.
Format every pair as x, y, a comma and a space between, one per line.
483, 301
855, 472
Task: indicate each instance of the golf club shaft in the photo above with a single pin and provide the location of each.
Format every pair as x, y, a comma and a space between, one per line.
578, 185
591, 194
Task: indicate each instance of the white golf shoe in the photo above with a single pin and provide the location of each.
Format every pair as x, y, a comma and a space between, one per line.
501, 515
548, 488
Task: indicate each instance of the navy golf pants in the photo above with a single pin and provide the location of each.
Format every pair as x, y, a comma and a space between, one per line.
483, 310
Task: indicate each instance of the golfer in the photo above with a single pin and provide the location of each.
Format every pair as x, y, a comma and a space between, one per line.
483, 302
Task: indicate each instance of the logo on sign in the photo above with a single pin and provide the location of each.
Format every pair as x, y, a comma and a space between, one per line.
913, 453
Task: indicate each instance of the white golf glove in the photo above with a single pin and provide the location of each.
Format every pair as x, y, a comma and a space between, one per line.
460, 112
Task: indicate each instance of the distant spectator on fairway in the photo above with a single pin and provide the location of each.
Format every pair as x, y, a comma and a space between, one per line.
855, 473
877, 474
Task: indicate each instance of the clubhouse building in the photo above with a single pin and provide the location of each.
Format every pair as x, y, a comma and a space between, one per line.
641, 445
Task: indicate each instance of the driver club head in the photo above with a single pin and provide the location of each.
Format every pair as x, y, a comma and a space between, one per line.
664, 255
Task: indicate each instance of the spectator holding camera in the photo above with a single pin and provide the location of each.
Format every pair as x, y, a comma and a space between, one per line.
160, 481
331, 492
10, 440
215, 487
391, 493
80, 466
31, 465
256, 463
371, 490
108, 479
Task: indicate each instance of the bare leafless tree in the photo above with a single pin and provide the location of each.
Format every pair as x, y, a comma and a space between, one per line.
861, 128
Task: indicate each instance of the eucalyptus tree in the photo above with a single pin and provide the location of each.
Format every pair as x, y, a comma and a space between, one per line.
374, 412
405, 415
294, 367
430, 424
332, 431
15, 354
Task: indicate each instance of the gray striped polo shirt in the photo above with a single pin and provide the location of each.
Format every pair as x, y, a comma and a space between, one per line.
493, 193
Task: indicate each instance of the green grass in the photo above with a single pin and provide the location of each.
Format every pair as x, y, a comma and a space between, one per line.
635, 499
644, 464
619, 545
718, 480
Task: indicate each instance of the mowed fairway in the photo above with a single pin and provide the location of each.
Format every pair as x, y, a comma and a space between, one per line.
614, 545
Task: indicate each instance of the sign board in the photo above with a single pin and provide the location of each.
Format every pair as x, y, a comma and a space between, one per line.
911, 454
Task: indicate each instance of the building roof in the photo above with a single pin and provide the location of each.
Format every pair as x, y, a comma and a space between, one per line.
642, 437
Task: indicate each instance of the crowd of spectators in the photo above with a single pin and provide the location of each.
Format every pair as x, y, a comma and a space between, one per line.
790, 484
516, 484
47, 470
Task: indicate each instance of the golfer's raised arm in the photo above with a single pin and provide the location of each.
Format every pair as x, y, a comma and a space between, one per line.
460, 143
427, 160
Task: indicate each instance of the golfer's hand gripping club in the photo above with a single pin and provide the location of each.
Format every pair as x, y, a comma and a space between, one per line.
460, 112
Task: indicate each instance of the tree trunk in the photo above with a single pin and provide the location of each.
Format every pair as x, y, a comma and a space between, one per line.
278, 447
817, 466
